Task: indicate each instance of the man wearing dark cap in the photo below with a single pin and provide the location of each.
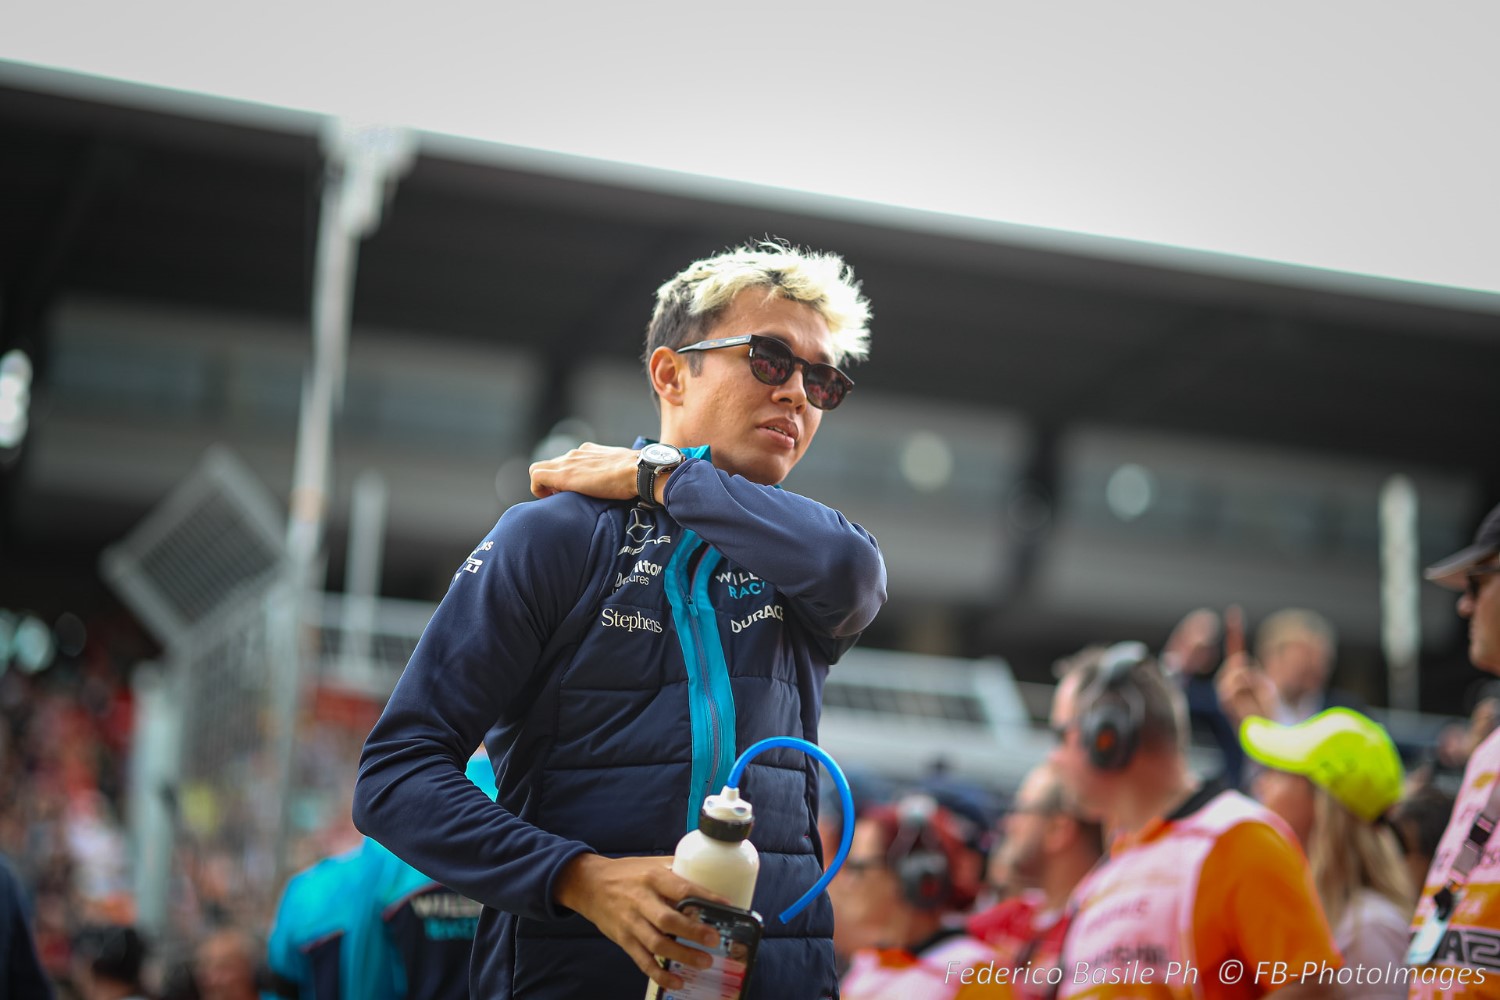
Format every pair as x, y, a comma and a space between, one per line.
1456, 931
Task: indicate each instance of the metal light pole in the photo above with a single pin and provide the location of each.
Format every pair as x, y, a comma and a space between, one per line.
1400, 591
363, 163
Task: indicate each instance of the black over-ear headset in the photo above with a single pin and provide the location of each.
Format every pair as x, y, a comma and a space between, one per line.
1110, 728
917, 856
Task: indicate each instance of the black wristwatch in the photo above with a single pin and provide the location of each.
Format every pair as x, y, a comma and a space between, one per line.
655, 459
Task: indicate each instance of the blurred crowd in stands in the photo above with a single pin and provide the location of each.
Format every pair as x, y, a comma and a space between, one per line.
66, 736
944, 871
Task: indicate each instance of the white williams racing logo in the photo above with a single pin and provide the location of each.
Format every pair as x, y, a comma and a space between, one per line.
472, 564
632, 621
740, 583
769, 611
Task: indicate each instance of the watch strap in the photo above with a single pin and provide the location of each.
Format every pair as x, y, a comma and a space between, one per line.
647, 471
645, 484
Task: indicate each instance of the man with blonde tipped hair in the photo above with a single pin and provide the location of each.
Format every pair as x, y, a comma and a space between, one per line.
655, 612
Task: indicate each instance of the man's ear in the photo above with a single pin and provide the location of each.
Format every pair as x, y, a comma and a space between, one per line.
669, 374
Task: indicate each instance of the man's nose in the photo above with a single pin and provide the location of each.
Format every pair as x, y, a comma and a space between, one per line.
794, 389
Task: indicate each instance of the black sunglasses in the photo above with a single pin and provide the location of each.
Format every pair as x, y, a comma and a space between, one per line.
1473, 578
772, 362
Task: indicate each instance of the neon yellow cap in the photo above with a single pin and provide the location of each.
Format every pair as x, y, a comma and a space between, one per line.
1349, 754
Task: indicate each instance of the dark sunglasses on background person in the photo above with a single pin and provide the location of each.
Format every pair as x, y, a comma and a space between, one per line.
772, 362
1474, 576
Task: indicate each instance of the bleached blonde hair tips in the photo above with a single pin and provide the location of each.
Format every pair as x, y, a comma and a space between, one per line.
687, 304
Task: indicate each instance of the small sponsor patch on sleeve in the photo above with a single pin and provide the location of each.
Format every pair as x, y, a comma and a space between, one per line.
472, 564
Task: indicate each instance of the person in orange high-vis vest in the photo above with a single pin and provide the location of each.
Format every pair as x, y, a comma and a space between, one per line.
1455, 944
1204, 892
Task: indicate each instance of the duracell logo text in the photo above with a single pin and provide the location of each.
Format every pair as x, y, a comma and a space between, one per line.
769, 611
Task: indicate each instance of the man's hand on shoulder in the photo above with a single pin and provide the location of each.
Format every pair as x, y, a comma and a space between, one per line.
633, 902
595, 470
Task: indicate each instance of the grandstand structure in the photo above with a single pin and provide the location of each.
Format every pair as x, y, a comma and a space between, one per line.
158, 262
1058, 439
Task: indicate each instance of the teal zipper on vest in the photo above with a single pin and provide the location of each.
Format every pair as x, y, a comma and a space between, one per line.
720, 694
710, 700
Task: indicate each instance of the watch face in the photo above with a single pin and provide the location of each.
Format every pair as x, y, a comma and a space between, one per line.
660, 454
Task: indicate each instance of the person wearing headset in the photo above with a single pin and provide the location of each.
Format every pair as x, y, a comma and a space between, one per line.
1203, 891
900, 901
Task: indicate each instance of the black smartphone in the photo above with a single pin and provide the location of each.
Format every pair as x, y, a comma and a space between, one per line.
733, 957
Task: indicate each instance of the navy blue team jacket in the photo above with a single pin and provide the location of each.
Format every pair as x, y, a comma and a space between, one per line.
619, 659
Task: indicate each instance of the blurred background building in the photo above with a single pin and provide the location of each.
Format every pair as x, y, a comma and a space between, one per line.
1057, 439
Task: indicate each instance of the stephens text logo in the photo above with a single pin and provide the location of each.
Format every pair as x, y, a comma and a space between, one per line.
631, 622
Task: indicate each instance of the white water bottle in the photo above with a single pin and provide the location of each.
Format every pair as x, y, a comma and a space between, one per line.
718, 855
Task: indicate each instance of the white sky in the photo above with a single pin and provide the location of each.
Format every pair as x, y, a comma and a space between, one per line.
1356, 135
